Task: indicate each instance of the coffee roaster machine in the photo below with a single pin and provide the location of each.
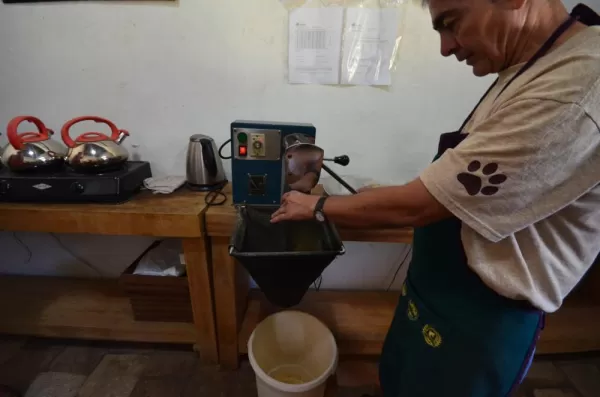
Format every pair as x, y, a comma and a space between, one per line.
269, 159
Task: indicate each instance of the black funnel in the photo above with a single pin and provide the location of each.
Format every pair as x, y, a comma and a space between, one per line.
284, 258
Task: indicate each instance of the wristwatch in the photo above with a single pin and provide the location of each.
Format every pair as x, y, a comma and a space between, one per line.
319, 214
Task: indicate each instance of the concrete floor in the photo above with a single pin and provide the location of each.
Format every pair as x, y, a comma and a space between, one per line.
55, 368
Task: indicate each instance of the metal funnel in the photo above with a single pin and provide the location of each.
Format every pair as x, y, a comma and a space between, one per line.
285, 258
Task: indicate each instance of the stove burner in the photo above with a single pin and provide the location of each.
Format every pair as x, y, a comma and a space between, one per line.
105, 171
68, 186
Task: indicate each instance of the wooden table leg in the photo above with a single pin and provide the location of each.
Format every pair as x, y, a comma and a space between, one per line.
198, 272
231, 293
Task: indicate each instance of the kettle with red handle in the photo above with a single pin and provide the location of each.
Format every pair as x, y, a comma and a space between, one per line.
94, 151
32, 151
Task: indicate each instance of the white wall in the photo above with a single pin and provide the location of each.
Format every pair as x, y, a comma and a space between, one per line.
166, 70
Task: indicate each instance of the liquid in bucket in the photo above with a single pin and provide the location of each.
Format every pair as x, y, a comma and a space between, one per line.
291, 374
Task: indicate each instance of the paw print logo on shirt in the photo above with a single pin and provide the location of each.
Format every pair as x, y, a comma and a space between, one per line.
481, 179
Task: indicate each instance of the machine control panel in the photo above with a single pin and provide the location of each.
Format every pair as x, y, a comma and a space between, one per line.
256, 144
242, 144
259, 161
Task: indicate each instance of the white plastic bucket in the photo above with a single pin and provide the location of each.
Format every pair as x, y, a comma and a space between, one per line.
292, 354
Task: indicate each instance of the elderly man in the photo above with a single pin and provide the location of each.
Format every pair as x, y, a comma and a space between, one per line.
506, 216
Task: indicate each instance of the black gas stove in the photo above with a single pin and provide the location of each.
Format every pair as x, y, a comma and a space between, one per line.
66, 186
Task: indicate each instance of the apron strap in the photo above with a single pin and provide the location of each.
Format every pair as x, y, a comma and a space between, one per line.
580, 13
586, 15
543, 49
477, 106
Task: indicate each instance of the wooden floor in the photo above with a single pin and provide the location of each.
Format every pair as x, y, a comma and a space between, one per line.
56, 368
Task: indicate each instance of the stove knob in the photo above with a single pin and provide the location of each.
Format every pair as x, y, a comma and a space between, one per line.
4, 187
77, 187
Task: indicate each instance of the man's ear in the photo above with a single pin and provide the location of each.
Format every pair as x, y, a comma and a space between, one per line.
510, 5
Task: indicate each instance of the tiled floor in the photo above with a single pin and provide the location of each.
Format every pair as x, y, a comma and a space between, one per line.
55, 368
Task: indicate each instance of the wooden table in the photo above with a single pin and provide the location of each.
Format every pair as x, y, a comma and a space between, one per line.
96, 309
358, 319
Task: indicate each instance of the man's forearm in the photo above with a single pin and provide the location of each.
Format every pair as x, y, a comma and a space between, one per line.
367, 209
395, 206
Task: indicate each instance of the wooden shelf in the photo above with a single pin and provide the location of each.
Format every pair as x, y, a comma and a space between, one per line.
360, 320
80, 309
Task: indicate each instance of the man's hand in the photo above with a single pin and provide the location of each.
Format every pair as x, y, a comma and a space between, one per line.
295, 206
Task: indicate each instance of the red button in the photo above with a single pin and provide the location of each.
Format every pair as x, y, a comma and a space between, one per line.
243, 150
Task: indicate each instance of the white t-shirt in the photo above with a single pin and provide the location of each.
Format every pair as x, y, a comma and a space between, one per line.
525, 182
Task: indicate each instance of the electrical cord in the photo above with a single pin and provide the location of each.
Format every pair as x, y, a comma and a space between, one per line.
63, 246
25, 247
400, 266
221, 149
213, 195
318, 282
210, 201
217, 197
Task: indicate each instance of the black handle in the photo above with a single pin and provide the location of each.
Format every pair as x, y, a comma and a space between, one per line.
341, 160
208, 156
339, 179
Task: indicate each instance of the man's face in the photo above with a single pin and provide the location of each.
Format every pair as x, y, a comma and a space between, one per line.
476, 31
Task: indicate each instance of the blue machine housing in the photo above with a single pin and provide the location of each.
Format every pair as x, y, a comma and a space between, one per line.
259, 180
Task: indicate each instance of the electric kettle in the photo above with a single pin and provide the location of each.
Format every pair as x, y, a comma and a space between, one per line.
204, 169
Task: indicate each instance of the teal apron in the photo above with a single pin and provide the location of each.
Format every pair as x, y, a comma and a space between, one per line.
452, 336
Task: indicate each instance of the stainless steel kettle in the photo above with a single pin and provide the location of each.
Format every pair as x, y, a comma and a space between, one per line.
95, 152
204, 169
32, 151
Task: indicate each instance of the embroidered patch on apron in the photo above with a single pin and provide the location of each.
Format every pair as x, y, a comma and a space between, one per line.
432, 337
412, 311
